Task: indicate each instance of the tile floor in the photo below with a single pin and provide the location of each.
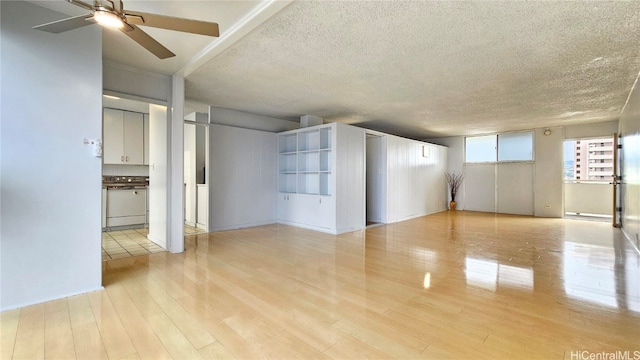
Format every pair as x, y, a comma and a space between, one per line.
126, 243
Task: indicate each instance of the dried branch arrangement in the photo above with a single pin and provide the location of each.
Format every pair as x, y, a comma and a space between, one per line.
454, 180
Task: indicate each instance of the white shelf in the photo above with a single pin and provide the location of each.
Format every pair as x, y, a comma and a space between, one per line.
305, 162
309, 140
308, 183
288, 144
288, 162
325, 138
287, 183
308, 162
325, 160
324, 186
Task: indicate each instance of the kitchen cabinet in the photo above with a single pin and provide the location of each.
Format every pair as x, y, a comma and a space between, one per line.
321, 178
123, 133
126, 207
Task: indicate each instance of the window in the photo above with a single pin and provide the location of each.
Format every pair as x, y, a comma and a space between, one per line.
480, 148
578, 172
502, 147
578, 165
515, 146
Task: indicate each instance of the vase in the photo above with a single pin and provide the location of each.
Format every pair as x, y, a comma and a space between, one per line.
452, 205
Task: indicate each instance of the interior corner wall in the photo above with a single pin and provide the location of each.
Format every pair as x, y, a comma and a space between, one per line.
51, 94
455, 163
629, 132
243, 174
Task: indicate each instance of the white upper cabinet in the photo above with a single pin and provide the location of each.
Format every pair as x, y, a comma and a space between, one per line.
123, 135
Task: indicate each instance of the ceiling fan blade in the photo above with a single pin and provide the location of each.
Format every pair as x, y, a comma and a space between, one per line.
148, 42
82, 4
59, 26
173, 23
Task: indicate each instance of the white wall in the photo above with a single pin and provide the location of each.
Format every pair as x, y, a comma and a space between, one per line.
455, 163
629, 131
480, 187
158, 163
416, 185
50, 212
514, 188
242, 187
350, 178
190, 174
138, 84
549, 173
591, 130
194, 167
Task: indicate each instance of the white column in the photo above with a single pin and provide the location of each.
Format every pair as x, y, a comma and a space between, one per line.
175, 220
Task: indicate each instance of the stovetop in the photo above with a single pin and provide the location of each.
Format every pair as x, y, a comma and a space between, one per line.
125, 180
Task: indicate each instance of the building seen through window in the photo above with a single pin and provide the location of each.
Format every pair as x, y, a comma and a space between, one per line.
596, 164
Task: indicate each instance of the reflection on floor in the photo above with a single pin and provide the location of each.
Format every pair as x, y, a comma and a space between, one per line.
452, 285
589, 217
126, 243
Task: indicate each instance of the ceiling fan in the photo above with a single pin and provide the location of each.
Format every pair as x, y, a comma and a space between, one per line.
112, 14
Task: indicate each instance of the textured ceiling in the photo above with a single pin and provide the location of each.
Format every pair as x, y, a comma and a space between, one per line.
426, 69
120, 49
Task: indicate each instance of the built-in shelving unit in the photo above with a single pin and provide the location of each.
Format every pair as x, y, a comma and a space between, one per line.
321, 178
305, 162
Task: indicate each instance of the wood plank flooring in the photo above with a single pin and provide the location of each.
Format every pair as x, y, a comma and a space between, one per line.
459, 285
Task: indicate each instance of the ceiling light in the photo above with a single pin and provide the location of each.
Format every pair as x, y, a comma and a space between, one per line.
111, 97
107, 18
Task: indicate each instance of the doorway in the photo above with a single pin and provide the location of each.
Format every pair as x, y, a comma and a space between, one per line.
196, 186
133, 141
588, 178
375, 170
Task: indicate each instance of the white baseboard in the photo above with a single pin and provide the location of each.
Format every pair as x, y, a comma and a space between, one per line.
42, 300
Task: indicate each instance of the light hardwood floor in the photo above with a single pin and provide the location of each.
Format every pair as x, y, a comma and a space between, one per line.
464, 285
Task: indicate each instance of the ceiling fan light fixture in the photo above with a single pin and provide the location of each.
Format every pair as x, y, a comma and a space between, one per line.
108, 19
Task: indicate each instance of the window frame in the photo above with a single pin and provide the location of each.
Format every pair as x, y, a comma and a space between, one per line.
497, 137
